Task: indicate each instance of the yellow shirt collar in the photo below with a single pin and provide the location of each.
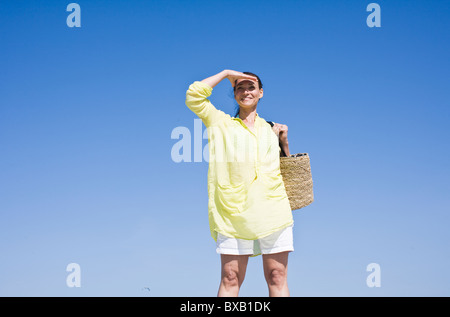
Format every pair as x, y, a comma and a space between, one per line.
257, 117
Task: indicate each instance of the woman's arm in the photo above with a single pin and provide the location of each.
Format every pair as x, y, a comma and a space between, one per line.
284, 141
198, 93
232, 75
281, 130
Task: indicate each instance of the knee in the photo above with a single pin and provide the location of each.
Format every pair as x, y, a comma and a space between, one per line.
276, 277
230, 279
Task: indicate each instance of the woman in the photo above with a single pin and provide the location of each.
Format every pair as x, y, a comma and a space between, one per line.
248, 208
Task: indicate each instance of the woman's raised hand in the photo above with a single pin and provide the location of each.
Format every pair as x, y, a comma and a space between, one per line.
233, 75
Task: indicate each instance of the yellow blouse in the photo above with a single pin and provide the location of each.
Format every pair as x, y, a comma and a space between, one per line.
247, 197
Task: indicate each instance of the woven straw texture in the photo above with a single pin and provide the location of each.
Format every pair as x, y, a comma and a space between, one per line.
296, 173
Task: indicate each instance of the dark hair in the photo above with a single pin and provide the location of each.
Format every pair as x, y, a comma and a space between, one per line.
234, 88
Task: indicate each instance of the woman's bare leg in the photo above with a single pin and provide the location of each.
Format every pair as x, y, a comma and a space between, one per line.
232, 274
275, 272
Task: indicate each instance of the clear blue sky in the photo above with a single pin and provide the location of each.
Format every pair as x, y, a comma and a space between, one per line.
86, 116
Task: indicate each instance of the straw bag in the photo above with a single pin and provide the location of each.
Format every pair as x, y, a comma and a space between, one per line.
296, 173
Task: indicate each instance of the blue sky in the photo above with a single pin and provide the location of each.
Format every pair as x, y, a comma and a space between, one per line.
86, 116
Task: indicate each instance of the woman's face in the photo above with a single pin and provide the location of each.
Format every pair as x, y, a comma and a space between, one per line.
247, 93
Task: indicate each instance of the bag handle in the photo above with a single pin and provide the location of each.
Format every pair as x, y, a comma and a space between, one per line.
279, 143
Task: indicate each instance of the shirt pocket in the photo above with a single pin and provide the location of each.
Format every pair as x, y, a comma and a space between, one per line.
231, 198
275, 189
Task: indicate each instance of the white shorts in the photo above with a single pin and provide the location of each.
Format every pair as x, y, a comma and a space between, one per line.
279, 241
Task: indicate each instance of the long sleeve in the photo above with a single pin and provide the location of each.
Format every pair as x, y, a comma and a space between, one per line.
196, 100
